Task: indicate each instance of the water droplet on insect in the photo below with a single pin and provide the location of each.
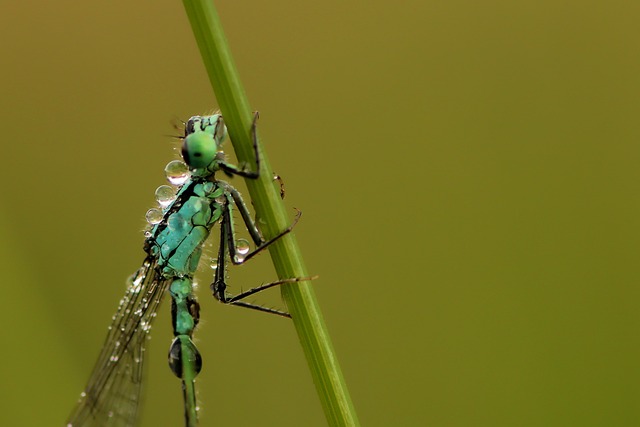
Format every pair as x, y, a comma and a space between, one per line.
165, 194
214, 265
242, 248
177, 172
154, 216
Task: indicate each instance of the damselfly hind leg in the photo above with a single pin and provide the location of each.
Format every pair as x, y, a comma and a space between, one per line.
228, 245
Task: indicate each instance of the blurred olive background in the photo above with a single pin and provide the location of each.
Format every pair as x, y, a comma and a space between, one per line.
468, 173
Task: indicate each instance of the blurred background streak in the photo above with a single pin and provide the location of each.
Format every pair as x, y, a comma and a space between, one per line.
468, 173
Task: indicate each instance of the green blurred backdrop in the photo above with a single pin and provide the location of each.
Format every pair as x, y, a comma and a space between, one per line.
468, 173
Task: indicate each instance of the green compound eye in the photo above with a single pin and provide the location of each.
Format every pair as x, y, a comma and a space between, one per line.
199, 150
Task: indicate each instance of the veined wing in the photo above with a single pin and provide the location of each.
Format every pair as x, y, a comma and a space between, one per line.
112, 395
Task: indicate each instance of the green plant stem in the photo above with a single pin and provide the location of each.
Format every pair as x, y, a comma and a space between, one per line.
285, 253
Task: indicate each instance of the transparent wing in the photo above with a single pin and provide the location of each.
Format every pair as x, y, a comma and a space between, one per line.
112, 394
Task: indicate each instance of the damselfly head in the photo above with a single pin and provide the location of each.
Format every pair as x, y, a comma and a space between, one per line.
203, 137
199, 149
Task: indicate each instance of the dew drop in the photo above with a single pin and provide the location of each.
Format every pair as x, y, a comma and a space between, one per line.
165, 194
154, 216
177, 172
242, 248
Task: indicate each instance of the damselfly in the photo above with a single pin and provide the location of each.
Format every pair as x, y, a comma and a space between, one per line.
188, 211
